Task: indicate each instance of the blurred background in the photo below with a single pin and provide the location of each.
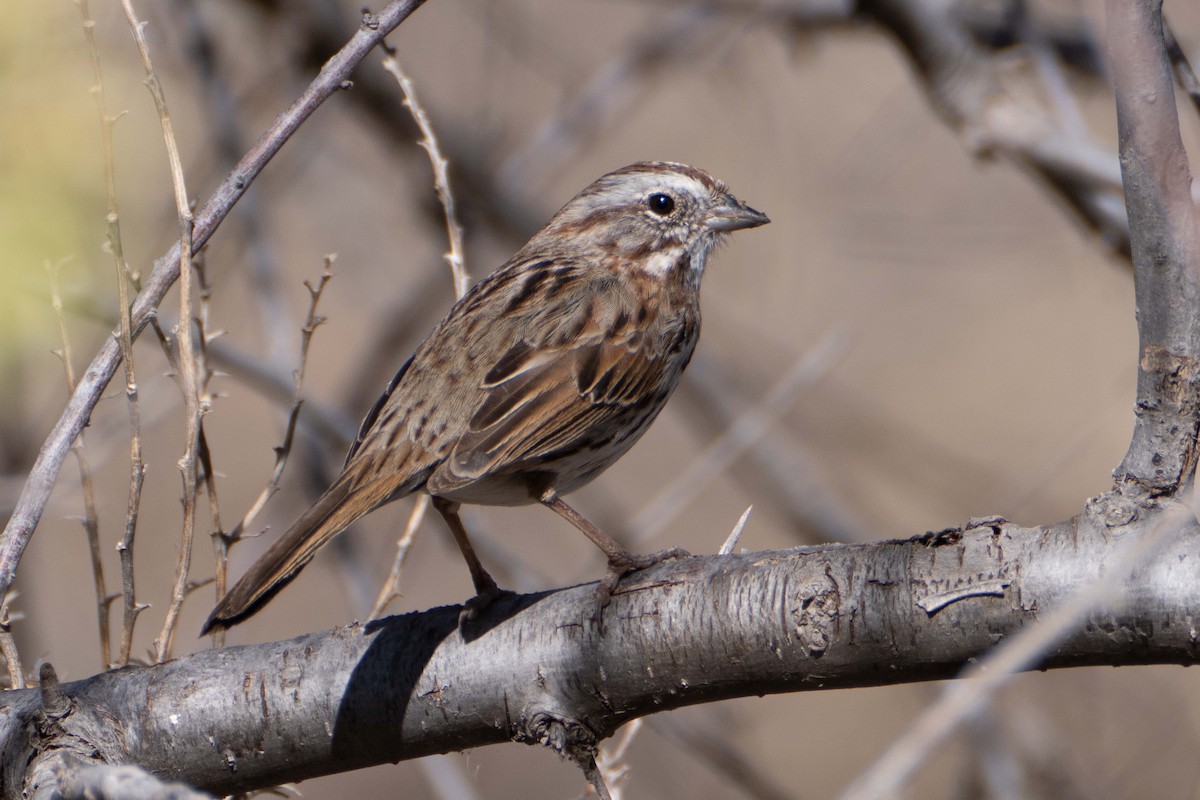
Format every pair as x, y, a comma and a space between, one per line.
925, 333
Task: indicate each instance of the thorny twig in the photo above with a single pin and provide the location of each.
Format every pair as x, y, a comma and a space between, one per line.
441, 179
189, 366
454, 257
203, 452
90, 520
137, 466
312, 321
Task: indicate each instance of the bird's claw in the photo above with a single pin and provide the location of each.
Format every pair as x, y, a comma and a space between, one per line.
478, 604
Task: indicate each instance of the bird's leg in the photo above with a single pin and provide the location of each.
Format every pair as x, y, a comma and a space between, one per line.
620, 561
486, 589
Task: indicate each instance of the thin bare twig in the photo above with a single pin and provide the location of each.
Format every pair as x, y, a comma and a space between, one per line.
203, 452
441, 179
222, 543
189, 372
90, 520
1185, 76
311, 322
455, 258
137, 466
391, 587
611, 763
29, 507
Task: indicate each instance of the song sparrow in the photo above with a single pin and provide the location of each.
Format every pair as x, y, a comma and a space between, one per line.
538, 379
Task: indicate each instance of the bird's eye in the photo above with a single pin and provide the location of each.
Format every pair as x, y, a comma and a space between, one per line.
661, 204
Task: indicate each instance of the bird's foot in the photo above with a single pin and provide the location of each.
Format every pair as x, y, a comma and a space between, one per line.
484, 596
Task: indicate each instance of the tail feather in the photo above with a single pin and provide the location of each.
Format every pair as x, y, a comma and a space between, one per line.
333, 512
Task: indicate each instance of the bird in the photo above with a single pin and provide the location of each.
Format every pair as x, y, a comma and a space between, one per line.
538, 379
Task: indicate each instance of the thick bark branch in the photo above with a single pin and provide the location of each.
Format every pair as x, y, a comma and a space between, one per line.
537, 669
1165, 248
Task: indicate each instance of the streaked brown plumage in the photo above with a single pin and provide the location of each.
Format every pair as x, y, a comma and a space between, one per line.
539, 378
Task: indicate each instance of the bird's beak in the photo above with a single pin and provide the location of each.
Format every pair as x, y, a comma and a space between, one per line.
732, 214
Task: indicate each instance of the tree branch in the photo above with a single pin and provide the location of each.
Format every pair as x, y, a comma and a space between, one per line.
1165, 248
537, 669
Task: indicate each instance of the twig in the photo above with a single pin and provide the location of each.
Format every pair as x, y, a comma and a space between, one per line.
593, 775
91, 522
311, 322
610, 761
454, 257
203, 452
137, 466
1185, 76
441, 180
391, 587
222, 542
189, 365
36, 492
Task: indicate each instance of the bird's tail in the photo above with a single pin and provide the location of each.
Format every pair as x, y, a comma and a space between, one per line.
333, 512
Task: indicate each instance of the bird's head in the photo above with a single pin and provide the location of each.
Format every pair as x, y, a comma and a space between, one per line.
655, 216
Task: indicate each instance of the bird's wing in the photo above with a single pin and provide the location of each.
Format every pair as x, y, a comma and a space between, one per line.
541, 400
